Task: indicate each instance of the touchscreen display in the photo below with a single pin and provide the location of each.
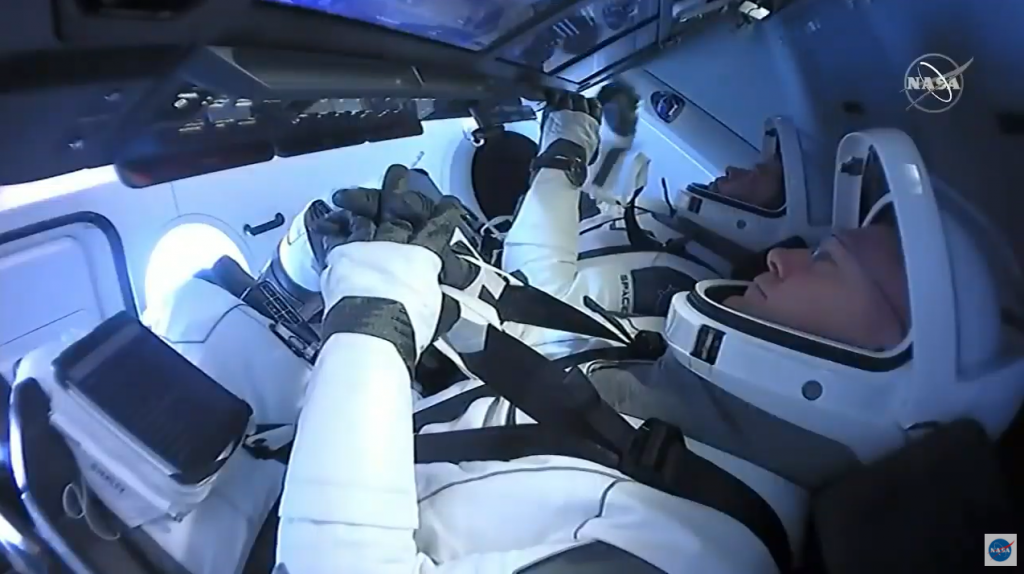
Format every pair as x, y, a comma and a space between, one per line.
471, 24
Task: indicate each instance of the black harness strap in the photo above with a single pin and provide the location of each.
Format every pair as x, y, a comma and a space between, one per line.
506, 443
450, 408
573, 420
531, 306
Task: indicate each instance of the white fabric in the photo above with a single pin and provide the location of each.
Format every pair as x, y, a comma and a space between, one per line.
577, 127
296, 254
398, 272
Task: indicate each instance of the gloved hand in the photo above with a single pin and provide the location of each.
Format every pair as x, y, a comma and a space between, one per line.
350, 223
569, 136
383, 265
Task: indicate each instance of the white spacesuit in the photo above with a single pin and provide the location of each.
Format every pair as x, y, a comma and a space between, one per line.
362, 505
678, 237
355, 499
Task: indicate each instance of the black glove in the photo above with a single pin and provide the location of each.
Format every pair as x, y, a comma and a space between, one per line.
384, 257
396, 216
402, 217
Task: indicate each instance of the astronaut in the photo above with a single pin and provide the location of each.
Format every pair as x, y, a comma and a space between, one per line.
356, 500
595, 266
727, 225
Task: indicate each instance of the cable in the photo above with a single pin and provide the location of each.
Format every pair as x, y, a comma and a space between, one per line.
75, 500
668, 202
612, 221
492, 225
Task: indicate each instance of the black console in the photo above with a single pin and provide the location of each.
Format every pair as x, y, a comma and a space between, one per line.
172, 89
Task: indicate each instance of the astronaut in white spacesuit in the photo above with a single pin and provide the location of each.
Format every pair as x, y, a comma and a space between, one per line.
355, 500
745, 368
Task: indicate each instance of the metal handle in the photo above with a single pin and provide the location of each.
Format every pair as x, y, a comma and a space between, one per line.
254, 230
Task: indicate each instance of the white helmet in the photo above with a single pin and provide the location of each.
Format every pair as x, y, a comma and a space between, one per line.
801, 214
832, 405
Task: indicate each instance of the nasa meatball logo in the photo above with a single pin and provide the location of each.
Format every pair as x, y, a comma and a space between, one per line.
999, 550
934, 83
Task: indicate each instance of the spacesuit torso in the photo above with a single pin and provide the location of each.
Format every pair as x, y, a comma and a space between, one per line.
531, 514
542, 506
599, 262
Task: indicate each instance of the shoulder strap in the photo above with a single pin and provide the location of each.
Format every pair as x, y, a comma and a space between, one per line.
530, 306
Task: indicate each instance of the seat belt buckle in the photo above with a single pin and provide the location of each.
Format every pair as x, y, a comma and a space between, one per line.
651, 449
266, 441
648, 345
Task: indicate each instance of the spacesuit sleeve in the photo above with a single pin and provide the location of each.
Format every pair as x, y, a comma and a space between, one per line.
350, 496
543, 243
349, 502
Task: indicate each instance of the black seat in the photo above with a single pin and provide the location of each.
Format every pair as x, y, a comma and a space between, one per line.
30, 551
10, 498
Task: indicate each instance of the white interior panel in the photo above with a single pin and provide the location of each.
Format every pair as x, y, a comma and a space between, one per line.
139, 216
255, 194
51, 282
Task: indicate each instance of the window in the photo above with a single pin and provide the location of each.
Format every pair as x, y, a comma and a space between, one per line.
183, 251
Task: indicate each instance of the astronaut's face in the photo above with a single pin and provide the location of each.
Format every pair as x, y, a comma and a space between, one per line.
761, 186
852, 289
